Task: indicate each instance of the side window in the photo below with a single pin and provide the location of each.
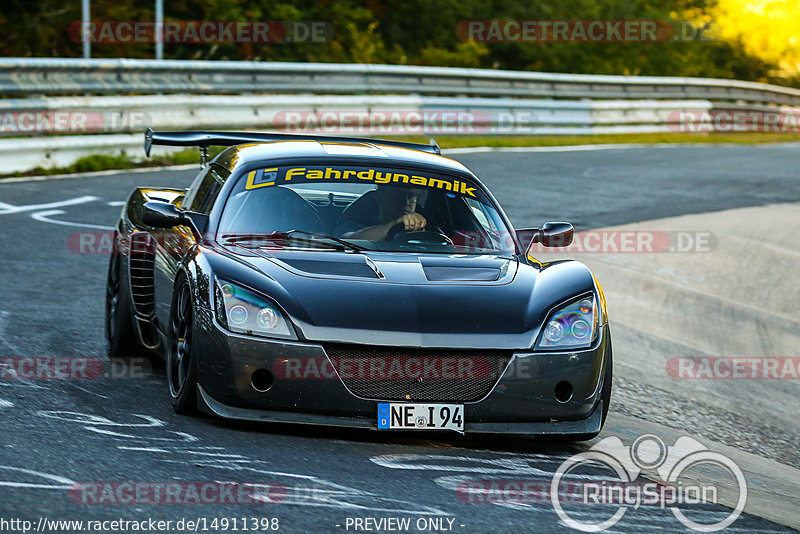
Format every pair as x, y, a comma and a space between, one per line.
208, 189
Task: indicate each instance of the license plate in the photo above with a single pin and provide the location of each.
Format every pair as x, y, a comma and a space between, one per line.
420, 416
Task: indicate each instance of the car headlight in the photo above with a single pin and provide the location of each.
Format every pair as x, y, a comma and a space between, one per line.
572, 327
241, 310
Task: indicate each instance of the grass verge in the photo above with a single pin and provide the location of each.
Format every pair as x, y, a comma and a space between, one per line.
465, 141
101, 162
122, 162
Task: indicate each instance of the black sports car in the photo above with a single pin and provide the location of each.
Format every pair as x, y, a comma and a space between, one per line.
355, 282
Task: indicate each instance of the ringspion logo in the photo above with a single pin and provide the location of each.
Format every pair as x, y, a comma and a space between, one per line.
675, 489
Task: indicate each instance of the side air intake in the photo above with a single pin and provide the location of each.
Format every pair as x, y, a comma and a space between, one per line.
140, 264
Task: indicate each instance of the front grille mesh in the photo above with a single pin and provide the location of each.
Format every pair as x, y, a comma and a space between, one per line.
407, 374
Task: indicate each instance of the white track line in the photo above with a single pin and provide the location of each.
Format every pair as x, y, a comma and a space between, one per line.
100, 173
59, 204
608, 146
574, 148
42, 216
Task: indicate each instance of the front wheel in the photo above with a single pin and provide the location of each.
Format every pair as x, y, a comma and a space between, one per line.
181, 363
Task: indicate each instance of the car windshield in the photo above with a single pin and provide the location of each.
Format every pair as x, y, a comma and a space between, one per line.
383, 209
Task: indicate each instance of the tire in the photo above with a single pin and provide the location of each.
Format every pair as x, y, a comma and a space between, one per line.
120, 334
181, 363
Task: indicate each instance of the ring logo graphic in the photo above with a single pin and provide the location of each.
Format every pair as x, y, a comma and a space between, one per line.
673, 491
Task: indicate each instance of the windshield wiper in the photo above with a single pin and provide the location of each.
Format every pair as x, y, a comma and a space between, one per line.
339, 244
347, 245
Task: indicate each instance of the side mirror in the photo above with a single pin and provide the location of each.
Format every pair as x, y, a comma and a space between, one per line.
551, 234
162, 215
556, 234
527, 237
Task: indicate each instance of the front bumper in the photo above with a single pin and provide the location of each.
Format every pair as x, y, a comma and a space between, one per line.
590, 425
523, 401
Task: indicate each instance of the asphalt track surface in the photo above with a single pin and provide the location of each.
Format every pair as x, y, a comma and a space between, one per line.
54, 433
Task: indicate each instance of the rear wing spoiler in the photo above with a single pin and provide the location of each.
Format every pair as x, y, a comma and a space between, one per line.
207, 139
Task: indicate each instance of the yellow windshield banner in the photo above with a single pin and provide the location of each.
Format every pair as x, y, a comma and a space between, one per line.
287, 175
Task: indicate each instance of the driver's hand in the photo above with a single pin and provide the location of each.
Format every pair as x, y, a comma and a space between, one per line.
412, 222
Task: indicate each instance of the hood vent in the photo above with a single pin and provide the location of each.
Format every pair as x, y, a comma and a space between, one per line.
358, 269
461, 274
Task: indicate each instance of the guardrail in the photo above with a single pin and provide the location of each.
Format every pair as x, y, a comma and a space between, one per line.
337, 114
122, 120
425, 100
43, 76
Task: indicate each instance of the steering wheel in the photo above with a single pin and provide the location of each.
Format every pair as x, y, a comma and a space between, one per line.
397, 234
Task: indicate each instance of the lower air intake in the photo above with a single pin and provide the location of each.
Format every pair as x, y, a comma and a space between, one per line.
407, 374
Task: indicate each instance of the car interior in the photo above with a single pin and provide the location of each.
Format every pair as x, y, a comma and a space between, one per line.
308, 208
